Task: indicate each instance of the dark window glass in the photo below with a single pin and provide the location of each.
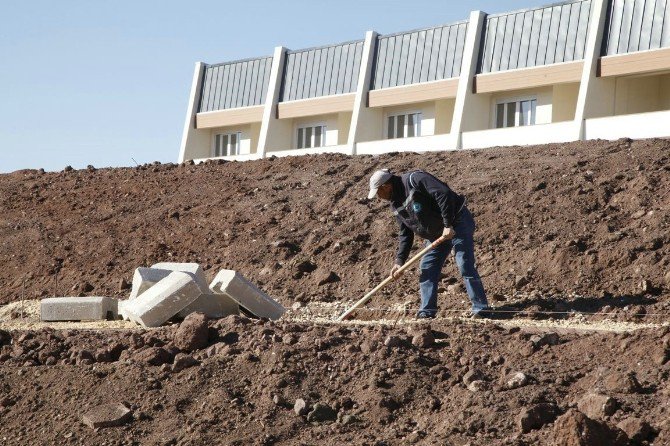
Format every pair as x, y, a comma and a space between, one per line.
300, 139
317, 135
410, 125
308, 137
400, 126
390, 131
224, 144
500, 116
511, 111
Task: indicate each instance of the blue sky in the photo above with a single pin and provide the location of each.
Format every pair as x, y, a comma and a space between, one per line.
103, 83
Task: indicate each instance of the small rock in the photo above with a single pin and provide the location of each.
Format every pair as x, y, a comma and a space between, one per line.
637, 430
297, 305
278, 400
107, 415
455, 288
183, 361
326, 276
520, 282
622, 383
348, 419
545, 339
321, 413
423, 339
597, 406
517, 380
471, 376
392, 341
87, 287
478, 386
192, 333
537, 416
153, 356
576, 429
300, 407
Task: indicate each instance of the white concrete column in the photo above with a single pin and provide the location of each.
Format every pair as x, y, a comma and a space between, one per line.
271, 100
364, 78
590, 85
190, 134
465, 94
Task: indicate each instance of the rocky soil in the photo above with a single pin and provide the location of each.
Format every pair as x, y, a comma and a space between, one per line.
561, 228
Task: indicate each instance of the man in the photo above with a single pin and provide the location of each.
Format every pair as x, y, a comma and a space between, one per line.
427, 207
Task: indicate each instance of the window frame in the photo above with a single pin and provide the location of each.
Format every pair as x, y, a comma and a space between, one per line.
405, 115
517, 112
238, 144
311, 125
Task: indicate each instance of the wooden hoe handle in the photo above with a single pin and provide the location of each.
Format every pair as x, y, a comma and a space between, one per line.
407, 264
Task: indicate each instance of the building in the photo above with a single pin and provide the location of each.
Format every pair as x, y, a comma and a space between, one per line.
581, 69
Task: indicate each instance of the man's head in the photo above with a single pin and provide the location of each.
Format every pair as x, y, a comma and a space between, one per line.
380, 185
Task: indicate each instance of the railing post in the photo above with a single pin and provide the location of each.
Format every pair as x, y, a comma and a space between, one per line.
271, 100
588, 88
467, 76
364, 79
188, 136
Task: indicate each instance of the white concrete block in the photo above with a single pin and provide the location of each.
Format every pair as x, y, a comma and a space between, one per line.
246, 294
192, 268
92, 308
163, 300
145, 278
122, 310
212, 305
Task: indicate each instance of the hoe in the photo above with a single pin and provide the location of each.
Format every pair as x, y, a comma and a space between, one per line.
407, 264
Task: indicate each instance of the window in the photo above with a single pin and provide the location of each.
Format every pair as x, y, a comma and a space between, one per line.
311, 136
404, 126
515, 113
226, 144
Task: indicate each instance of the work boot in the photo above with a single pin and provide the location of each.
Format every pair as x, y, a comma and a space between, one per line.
425, 315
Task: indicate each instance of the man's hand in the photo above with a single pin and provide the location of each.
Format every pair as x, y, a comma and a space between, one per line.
448, 233
394, 271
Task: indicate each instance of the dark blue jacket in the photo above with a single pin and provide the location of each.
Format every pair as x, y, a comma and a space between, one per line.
423, 205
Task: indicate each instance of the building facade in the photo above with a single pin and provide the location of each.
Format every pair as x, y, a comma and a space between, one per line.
582, 69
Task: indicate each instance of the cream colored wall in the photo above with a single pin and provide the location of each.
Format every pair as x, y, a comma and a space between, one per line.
477, 112
600, 98
255, 132
444, 115
370, 124
665, 92
564, 102
280, 135
343, 126
642, 94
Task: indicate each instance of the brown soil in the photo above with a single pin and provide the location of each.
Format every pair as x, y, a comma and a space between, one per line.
561, 228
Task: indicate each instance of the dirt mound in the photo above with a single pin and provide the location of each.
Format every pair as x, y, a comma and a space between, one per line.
366, 385
589, 218
580, 226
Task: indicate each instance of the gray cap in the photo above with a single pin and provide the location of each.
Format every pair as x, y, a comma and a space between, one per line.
377, 180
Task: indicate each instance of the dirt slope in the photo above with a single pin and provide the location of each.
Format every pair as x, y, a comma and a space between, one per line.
590, 218
581, 226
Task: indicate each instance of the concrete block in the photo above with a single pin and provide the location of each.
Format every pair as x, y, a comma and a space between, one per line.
246, 294
122, 310
145, 278
212, 305
192, 268
163, 300
78, 308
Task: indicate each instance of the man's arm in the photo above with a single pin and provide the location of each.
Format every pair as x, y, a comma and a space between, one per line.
405, 240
